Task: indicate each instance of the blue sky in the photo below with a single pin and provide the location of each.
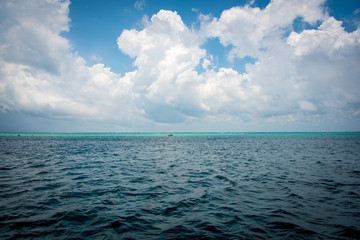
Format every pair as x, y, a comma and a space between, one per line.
154, 65
106, 19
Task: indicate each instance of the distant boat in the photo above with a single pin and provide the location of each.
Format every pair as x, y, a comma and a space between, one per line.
170, 134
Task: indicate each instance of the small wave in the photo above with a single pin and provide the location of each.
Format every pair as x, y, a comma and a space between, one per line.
74, 216
116, 224
281, 213
37, 165
34, 224
180, 232
289, 230
258, 230
51, 202
6, 168
348, 232
49, 186
225, 179
211, 228
281, 225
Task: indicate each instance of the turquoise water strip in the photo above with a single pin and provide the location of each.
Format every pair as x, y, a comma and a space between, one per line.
179, 134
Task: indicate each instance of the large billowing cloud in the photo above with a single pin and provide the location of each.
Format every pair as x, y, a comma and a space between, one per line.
304, 76
166, 54
40, 73
296, 75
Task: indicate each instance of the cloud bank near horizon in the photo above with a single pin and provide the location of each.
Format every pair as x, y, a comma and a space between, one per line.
299, 75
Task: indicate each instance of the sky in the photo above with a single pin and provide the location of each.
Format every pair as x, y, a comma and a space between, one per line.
179, 66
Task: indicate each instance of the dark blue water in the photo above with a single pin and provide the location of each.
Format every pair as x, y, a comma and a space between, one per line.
282, 187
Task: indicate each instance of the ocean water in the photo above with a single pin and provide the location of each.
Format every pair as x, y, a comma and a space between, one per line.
210, 186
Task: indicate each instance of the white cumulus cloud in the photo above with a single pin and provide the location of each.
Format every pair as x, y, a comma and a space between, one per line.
248, 30
166, 54
41, 75
329, 37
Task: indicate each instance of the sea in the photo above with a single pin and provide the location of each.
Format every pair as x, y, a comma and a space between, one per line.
184, 186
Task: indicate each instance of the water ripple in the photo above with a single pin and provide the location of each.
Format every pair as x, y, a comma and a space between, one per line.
282, 187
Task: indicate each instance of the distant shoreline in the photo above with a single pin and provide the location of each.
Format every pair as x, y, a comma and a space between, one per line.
179, 134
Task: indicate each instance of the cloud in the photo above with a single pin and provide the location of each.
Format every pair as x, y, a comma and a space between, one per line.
329, 37
32, 40
248, 30
166, 54
283, 81
327, 59
41, 75
96, 58
139, 4
170, 89
297, 77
